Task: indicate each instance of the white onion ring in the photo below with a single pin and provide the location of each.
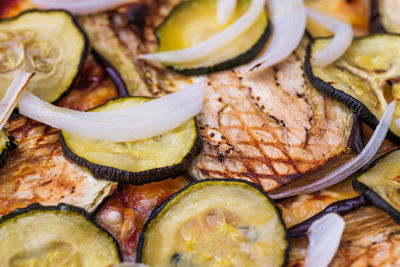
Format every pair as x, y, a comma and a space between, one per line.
289, 23
81, 7
341, 41
136, 123
10, 99
324, 238
350, 167
212, 44
225, 10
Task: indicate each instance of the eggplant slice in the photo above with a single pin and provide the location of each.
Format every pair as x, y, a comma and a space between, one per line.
365, 78
60, 235
194, 21
215, 223
7, 143
386, 16
49, 43
380, 183
138, 162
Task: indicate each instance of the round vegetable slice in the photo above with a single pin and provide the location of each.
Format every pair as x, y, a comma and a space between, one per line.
365, 78
380, 183
48, 43
7, 143
60, 235
137, 162
215, 222
195, 21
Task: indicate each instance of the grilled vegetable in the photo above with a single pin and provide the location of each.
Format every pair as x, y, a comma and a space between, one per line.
48, 43
385, 16
60, 235
194, 21
365, 78
380, 183
215, 222
137, 162
7, 143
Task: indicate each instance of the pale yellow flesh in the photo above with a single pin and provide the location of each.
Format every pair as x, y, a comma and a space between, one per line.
384, 179
389, 15
216, 224
183, 29
54, 239
3, 140
48, 44
160, 151
363, 71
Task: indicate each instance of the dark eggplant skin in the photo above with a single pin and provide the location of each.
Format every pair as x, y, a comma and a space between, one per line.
10, 145
373, 197
61, 206
84, 54
112, 72
361, 111
341, 207
375, 23
356, 138
157, 210
135, 178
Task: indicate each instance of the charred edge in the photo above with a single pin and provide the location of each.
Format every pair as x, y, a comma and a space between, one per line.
10, 145
157, 210
137, 14
113, 73
356, 138
342, 207
373, 197
328, 90
61, 207
243, 58
135, 178
375, 23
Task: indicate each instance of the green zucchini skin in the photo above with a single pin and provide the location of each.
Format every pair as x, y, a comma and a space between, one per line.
61, 206
10, 145
135, 178
157, 210
374, 198
328, 90
233, 62
84, 54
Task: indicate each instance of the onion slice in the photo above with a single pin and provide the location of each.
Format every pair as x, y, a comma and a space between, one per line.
212, 44
129, 264
350, 167
81, 7
289, 24
225, 9
10, 99
343, 37
324, 238
139, 122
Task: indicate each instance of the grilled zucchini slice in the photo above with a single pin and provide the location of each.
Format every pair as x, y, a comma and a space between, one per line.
60, 235
49, 43
194, 21
365, 78
215, 222
380, 183
138, 162
7, 143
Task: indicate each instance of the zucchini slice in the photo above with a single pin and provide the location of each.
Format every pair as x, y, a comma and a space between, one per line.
7, 143
215, 222
137, 162
60, 235
365, 78
49, 43
380, 183
194, 21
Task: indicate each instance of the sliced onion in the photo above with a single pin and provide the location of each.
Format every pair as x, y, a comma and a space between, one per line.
324, 238
225, 10
10, 99
143, 121
343, 37
214, 43
129, 264
350, 167
289, 23
81, 7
